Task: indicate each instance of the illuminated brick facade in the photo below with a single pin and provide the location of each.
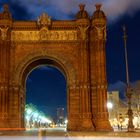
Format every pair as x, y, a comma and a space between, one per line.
75, 47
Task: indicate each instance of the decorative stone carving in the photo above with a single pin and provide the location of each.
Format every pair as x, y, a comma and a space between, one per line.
44, 20
4, 33
6, 14
44, 34
82, 14
83, 31
101, 32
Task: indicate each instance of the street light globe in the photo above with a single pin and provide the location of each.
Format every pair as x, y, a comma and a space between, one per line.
109, 105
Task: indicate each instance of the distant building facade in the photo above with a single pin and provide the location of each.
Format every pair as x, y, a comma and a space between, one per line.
60, 115
118, 110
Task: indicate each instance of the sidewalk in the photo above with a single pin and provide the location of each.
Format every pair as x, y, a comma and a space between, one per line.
71, 134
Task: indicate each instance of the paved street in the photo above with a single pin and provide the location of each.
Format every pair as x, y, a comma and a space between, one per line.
64, 138
62, 134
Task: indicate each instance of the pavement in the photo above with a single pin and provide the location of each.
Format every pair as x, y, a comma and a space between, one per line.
65, 138
61, 133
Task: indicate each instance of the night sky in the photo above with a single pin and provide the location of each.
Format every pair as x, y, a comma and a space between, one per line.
40, 83
46, 88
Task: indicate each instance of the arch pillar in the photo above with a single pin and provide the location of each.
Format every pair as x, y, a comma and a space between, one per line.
79, 117
3, 105
73, 108
15, 112
11, 108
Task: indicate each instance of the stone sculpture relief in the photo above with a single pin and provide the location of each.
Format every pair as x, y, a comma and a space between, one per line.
43, 34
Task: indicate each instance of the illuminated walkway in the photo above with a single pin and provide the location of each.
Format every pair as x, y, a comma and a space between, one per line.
62, 134
65, 138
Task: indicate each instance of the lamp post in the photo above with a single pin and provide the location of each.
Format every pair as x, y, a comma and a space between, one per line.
129, 89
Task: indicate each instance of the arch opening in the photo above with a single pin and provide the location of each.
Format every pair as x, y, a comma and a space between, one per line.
42, 62
58, 101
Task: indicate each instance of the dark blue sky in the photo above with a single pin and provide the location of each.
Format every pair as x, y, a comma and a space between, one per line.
115, 49
46, 88
119, 12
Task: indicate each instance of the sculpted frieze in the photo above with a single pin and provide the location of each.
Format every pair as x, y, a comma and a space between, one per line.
24, 35
44, 34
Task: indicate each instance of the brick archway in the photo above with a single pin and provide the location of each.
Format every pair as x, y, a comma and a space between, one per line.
26, 67
36, 59
77, 47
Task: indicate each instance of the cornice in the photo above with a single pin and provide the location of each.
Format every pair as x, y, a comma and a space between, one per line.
55, 25
24, 25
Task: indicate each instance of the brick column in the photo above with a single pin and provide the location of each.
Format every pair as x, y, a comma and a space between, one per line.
84, 76
98, 70
4, 81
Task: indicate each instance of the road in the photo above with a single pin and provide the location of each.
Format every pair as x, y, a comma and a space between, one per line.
62, 134
63, 138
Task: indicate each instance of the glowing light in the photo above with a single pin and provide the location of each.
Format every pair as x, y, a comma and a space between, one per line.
29, 111
47, 120
35, 118
36, 115
66, 121
27, 118
109, 105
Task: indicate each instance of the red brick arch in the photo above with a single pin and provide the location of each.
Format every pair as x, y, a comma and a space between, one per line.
76, 47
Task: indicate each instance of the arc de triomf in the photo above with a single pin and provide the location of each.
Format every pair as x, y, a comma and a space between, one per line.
76, 47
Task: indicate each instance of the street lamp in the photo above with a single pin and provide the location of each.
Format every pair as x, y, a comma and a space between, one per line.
109, 105
129, 90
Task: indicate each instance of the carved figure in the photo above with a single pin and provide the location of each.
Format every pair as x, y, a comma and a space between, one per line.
101, 31
44, 20
83, 31
43, 33
4, 33
82, 14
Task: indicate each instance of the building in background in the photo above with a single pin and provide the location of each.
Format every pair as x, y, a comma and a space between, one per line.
60, 115
118, 110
